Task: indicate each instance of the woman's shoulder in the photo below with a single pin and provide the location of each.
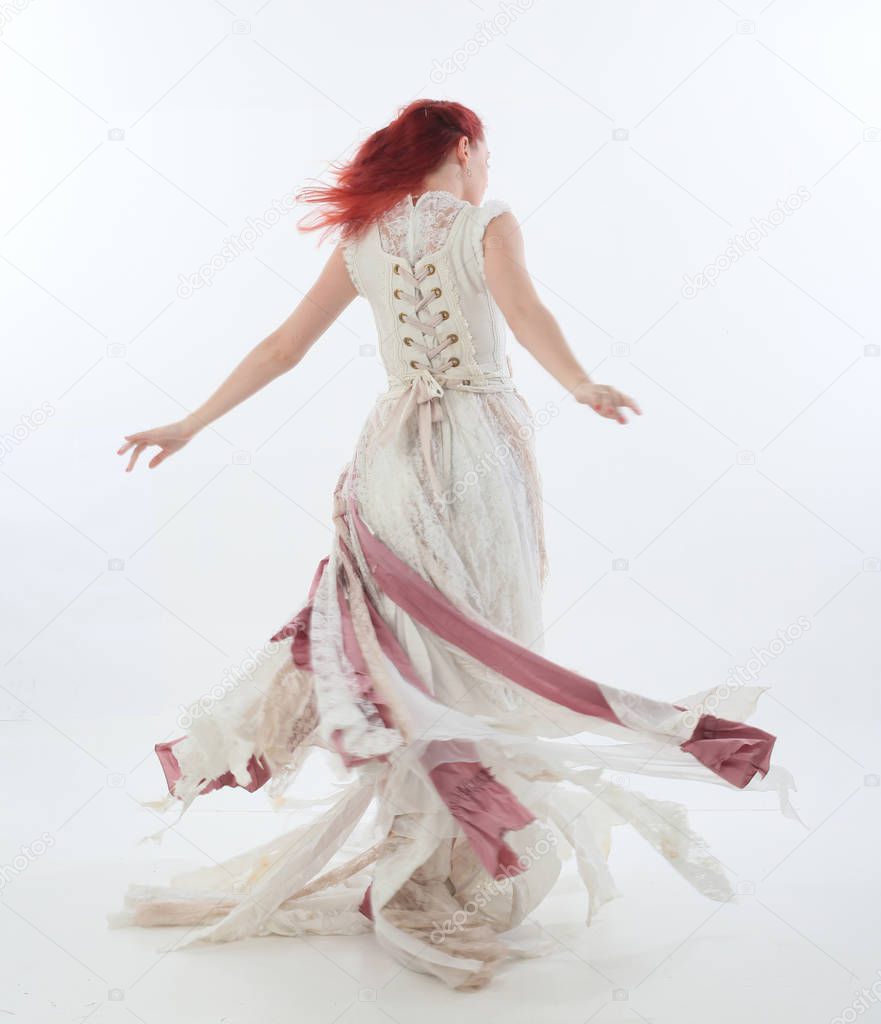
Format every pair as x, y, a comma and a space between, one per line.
488, 210
482, 216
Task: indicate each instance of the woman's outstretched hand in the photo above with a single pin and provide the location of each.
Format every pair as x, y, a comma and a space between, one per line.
606, 401
169, 439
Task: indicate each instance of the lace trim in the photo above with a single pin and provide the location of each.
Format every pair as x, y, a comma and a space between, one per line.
413, 231
481, 216
349, 258
664, 824
342, 708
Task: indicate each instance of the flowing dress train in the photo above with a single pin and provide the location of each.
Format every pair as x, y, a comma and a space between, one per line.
415, 662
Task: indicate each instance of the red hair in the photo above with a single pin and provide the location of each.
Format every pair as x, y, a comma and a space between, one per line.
389, 165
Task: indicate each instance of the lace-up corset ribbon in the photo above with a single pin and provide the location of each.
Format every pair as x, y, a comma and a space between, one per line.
420, 390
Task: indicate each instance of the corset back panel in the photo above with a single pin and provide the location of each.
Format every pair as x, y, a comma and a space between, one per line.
420, 266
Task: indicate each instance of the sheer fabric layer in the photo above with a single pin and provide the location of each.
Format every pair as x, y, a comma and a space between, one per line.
464, 782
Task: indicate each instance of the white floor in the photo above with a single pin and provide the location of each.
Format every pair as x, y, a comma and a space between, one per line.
798, 945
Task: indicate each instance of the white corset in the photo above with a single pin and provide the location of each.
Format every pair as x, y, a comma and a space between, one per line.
421, 268
401, 262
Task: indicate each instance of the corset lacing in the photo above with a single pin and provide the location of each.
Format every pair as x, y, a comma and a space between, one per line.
422, 387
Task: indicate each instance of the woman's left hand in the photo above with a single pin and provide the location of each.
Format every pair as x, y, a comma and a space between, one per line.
605, 401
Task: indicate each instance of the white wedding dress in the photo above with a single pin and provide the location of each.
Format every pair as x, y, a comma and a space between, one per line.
416, 660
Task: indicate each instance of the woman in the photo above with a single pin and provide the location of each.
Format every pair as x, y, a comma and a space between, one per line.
415, 659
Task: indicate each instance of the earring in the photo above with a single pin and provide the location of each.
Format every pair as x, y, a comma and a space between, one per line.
468, 170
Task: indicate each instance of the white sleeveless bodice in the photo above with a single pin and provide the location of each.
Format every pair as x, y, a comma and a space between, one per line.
420, 266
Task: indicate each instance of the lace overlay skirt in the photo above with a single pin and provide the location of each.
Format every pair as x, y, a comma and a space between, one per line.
461, 786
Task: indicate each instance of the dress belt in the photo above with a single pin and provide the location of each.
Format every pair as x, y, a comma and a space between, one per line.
422, 392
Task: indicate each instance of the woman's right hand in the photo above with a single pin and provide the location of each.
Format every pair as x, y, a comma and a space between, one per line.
170, 439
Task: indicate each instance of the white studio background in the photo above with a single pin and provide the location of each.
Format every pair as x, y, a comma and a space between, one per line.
636, 142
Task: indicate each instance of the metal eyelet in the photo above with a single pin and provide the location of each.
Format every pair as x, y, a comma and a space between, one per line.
452, 337
466, 381
444, 315
402, 317
437, 292
429, 268
398, 293
408, 341
396, 269
414, 364
454, 361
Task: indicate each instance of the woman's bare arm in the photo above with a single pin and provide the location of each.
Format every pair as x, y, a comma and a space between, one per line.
279, 352
533, 324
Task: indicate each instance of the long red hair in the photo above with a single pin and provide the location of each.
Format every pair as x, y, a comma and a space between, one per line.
389, 165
